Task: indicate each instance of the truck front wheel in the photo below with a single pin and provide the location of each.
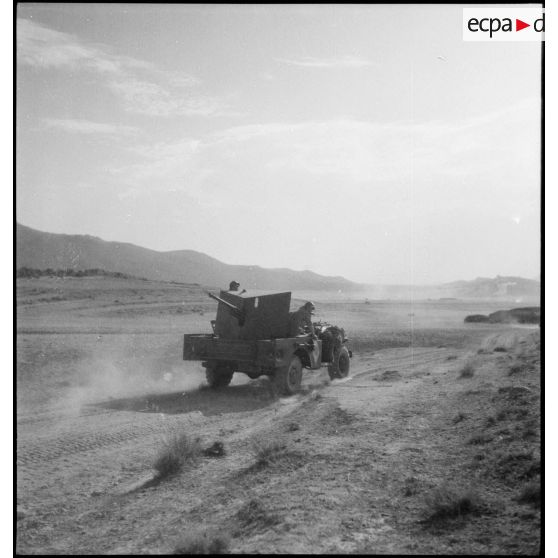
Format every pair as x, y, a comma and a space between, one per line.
287, 379
219, 375
341, 364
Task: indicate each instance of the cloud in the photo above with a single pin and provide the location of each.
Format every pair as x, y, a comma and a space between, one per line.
140, 86
280, 159
180, 79
40, 46
355, 150
88, 127
335, 62
150, 98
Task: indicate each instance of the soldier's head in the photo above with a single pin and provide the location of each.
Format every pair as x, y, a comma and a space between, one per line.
233, 286
309, 307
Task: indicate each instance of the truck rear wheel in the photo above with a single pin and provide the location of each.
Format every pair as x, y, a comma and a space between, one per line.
287, 379
219, 375
341, 364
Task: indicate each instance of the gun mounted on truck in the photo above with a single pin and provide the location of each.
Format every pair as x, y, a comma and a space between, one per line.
252, 335
239, 314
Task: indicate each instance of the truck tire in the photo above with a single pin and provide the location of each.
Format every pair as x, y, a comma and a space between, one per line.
287, 379
341, 364
219, 376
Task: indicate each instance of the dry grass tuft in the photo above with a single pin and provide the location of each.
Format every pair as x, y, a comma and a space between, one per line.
479, 439
529, 433
268, 451
203, 541
468, 370
445, 503
531, 494
177, 450
518, 394
217, 449
411, 486
521, 368
512, 413
254, 514
515, 465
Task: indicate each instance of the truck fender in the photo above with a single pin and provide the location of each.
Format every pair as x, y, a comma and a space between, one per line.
310, 357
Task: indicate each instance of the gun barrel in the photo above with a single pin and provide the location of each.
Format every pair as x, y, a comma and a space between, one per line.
227, 304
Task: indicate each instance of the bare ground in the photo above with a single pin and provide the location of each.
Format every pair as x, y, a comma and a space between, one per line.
408, 455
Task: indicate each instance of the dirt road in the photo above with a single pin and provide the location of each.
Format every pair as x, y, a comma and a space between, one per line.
359, 458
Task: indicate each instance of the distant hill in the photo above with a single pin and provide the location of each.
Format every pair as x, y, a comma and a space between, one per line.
498, 287
42, 250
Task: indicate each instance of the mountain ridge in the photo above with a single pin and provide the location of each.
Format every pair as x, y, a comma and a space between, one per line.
41, 250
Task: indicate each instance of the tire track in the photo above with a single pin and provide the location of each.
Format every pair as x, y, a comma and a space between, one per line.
32, 452
400, 362
69, 437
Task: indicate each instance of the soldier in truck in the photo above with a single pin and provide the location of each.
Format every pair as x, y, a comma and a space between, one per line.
233, 288
300, 322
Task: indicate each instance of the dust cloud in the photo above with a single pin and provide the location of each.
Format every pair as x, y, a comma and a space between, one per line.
116, 374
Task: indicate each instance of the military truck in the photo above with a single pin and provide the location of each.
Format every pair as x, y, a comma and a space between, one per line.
251, 334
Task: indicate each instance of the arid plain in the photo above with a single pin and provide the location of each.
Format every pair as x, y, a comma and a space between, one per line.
431, 445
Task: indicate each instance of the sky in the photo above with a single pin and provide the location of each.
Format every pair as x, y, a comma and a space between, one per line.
368, 141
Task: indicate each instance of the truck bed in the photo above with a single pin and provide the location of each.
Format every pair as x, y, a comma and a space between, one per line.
248, 354
207, 346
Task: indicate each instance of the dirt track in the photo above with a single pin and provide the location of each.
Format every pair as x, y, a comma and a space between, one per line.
61, 453
100, 388
359, 441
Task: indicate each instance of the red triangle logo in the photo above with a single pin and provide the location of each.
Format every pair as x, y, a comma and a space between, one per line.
519, 25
